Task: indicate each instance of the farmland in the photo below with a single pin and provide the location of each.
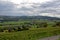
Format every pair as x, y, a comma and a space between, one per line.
28, 30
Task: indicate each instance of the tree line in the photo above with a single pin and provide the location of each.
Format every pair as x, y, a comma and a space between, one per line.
25, 26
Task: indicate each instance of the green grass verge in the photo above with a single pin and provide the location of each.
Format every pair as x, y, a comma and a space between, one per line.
31, 34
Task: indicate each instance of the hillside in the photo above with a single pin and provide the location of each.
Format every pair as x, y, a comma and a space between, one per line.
16, 18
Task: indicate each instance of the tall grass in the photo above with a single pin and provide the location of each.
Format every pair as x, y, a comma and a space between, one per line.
32, 34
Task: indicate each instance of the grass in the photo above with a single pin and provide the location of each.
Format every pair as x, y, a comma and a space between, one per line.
59, 39
31, 34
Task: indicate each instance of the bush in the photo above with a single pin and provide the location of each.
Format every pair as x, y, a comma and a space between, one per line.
1, 30
57, 23
15, 29
42, 24
10, 29
19, 29
25, 27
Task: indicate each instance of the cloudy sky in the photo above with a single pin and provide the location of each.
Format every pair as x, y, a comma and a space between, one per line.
30, 8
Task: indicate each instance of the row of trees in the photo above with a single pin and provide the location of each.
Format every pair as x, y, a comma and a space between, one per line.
11, 29
26, 26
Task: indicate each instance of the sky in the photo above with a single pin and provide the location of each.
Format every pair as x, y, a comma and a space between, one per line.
30, 8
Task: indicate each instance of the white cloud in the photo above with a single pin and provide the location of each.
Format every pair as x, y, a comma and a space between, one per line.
28, 1
50, 14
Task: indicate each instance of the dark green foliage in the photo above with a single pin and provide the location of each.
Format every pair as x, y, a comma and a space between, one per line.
15, 29
27, 24
25, 28
1, 30
54, 25
10, 29
57, 23
19, 29
42, 24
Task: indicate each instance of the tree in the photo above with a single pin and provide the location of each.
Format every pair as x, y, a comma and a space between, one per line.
42, 24
57, 23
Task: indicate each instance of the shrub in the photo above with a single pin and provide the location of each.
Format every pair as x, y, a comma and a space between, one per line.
25, 28
19, 29
1, 30
10, 29
57, 23
42, 24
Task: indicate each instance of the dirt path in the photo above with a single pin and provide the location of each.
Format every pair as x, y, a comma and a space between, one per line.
51, 38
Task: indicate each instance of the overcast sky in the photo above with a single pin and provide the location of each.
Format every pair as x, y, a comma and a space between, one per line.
30, 8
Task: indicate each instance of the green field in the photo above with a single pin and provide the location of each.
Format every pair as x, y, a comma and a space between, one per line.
31, 34
28, 30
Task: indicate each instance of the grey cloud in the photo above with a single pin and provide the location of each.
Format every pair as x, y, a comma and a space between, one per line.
51, 4
25, 9
51, 7
8, 8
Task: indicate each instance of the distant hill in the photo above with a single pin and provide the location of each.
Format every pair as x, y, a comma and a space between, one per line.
16, 18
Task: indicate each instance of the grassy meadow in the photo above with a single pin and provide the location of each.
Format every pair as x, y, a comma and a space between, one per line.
27, 30
32, 34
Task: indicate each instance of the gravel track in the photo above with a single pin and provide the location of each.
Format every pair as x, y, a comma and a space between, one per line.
51, 38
